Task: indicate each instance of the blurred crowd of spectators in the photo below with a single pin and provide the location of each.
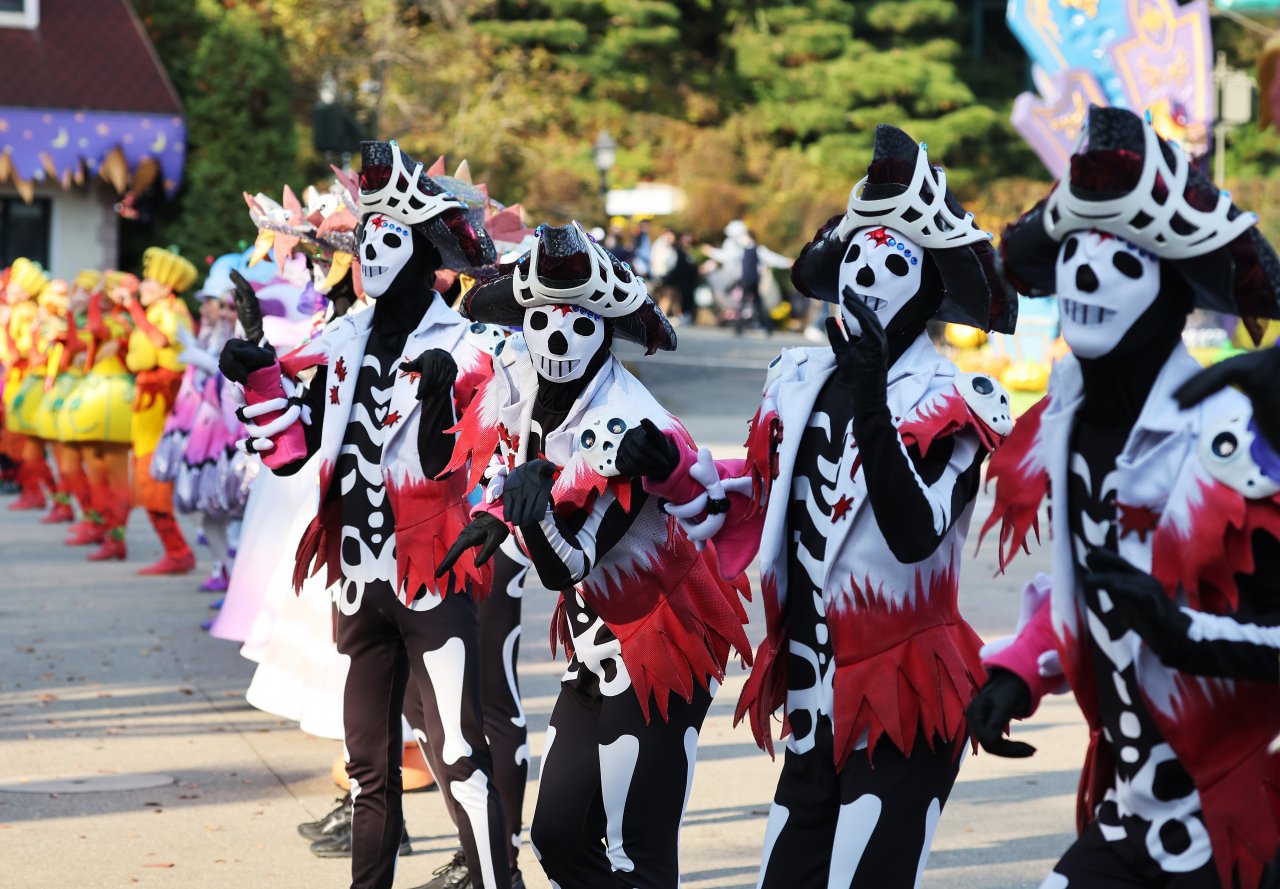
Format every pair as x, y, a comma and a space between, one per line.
740, 284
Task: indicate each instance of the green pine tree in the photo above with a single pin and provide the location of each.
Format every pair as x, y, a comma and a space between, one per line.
240, 132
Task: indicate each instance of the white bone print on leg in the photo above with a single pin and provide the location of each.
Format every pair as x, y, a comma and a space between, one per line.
930, 828
446, 666
778, 815
617, 768
854, 827
473, 796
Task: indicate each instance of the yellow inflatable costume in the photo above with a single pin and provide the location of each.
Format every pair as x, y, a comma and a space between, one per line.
157, 315
21, 393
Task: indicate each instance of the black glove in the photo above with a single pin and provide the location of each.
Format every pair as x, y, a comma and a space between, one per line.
240, 358
526, 494
485, 531
435, 369
1140, 603
862, 362
646, 451
248, 309
1255, 374
1004, 697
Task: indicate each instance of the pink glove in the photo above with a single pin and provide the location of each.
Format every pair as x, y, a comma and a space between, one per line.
270, 416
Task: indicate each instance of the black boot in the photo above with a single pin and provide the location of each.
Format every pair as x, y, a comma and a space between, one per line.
338, 844
338, 818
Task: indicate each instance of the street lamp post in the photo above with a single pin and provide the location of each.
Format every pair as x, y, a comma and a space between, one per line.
606, 155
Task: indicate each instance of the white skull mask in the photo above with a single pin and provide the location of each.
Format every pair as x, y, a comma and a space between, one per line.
385, 248
561, 340
884, 269
1104, 285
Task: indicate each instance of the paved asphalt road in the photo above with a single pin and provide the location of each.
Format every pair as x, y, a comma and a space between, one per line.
104, 675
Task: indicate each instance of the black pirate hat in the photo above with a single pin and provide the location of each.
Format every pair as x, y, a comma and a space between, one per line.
903, 191
1128, 182
567, 267
393, 184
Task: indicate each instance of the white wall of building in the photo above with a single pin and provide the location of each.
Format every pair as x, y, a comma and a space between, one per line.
84, 230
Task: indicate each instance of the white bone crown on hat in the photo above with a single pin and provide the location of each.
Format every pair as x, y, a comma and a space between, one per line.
925, 219
603, 293
403, 199
1138, 216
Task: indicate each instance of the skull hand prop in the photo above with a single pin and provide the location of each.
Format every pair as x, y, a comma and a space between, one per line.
884, 269
487, 337
385, 249
562, 341
988, 399
600, 441
1104, 285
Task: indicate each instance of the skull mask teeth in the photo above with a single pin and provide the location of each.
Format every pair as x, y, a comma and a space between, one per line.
562, 340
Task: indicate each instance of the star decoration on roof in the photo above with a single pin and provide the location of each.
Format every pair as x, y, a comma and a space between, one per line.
341, 371
842, 508
879, 235
1140, 520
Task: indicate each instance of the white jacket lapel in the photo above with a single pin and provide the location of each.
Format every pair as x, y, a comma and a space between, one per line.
345, 356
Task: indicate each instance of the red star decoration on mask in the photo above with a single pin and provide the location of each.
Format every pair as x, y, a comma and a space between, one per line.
842, 508
341, 370
879, 236
392, 419
378, 221
333, 394
1140, 520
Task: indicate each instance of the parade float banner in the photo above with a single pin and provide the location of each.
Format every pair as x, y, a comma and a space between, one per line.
39, 144
1151, 56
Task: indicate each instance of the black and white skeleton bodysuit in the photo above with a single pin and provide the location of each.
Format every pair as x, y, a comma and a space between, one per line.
871, 822
435, 640
1151, 816
613, 783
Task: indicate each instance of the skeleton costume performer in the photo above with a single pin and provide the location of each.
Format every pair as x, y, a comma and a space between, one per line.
1178, 788
645, 620
389, 384
863, 462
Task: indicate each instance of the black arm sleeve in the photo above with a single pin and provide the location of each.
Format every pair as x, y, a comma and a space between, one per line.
564, 550
915, 499
314, 398
435, 444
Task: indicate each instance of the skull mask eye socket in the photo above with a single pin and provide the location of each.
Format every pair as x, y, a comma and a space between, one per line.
538, 321
588, 439
584, 326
